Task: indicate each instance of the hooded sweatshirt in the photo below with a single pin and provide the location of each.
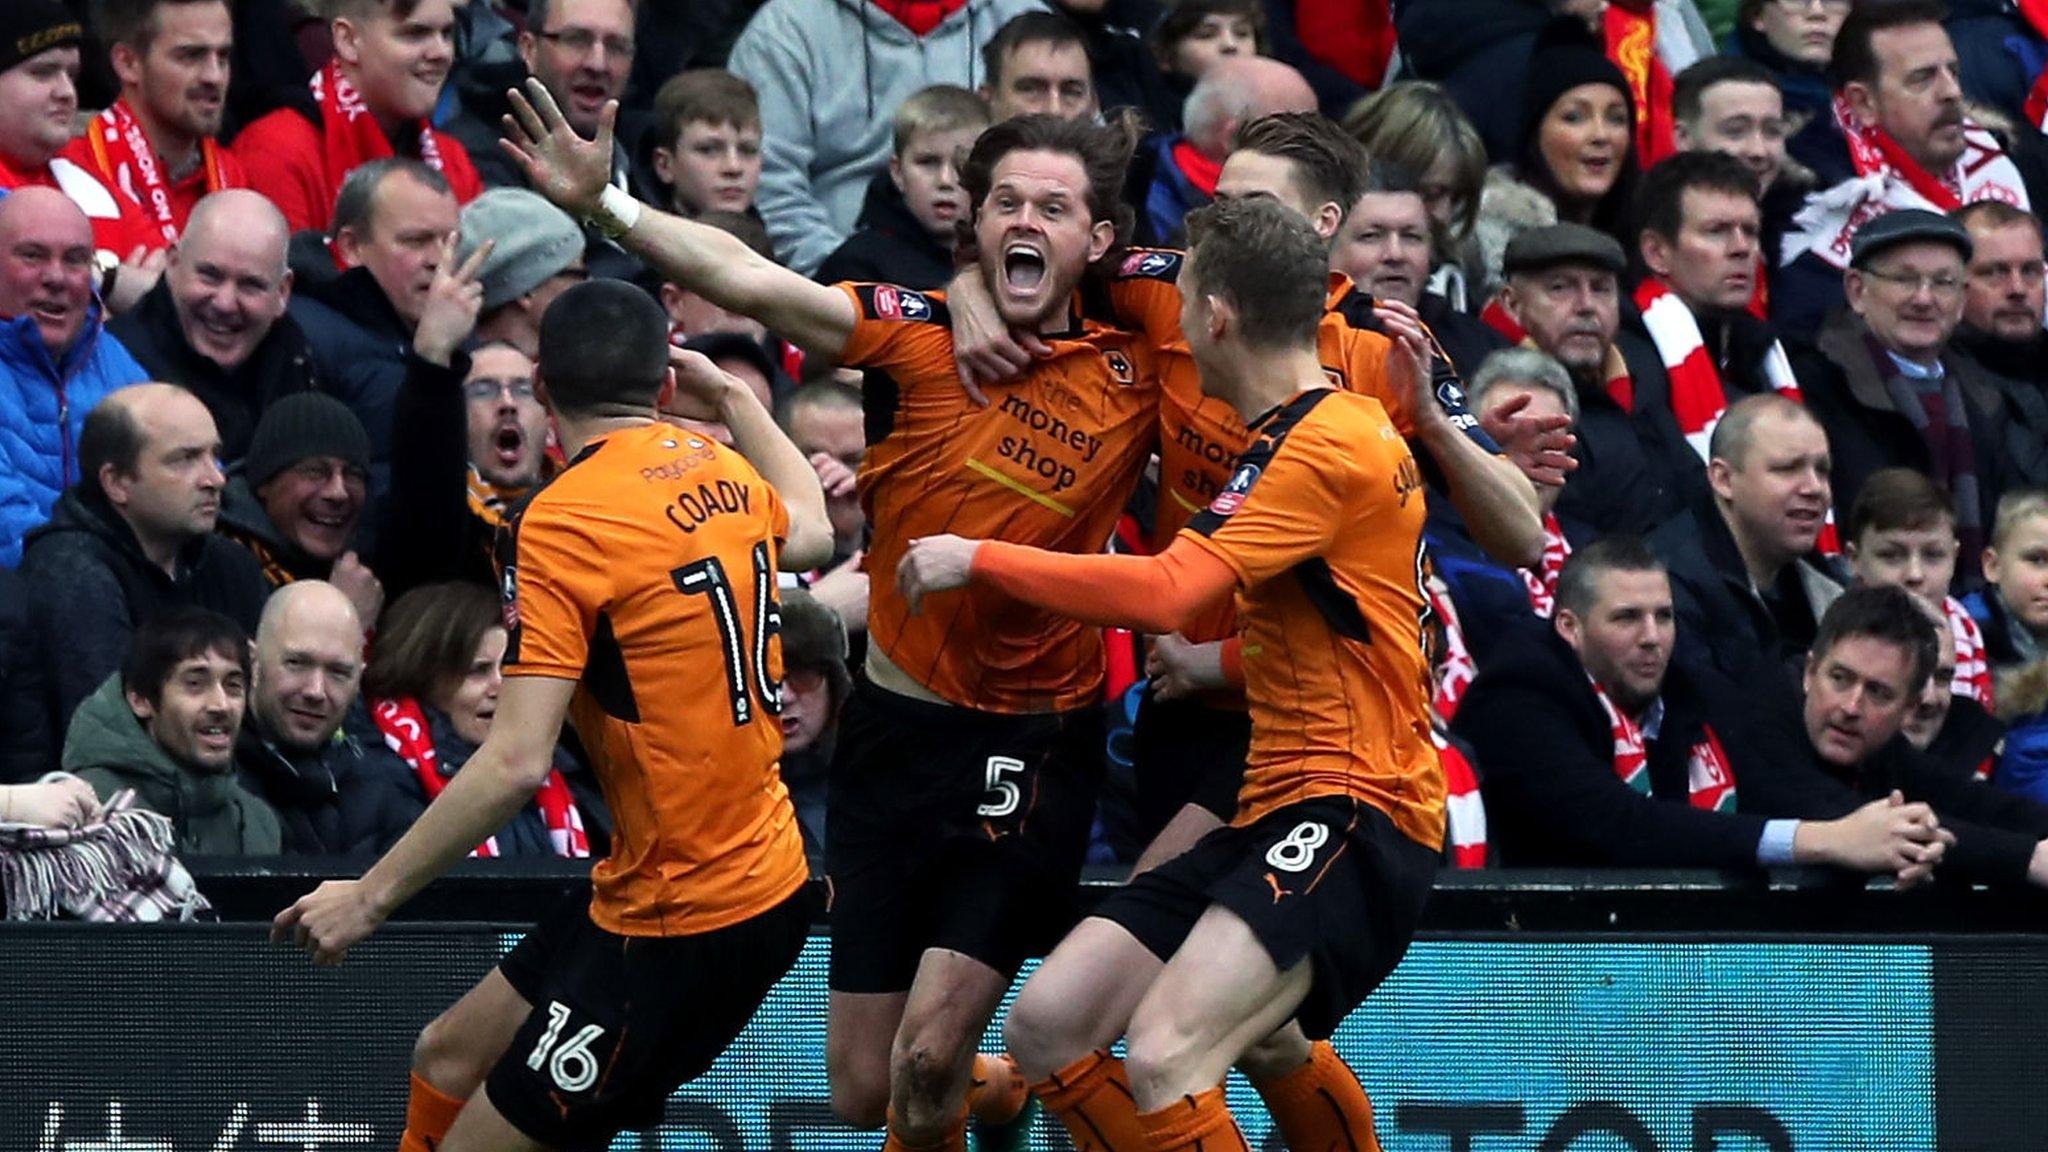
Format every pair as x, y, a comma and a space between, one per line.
830, 75
211, 813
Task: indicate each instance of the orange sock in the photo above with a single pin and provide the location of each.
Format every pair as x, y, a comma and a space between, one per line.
1092, 1097
429, 1114
1200, 1122
955, 1139
1320, 1106
997, 1093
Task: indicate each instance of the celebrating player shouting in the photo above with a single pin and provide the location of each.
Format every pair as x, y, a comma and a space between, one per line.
641, 601
1300, 906
964, 779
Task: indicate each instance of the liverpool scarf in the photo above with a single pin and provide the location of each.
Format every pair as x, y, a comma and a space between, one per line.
1973, 665
1887, 179
351, 136
1542, 579
1630, 28
1710, 779
1464, 810
405, 730
123, 154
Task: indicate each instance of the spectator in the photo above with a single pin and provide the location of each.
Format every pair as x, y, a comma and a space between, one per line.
371, 102
38, 102
395, 225
296, 501
1700, 223
1957, 734
217, 326
133, 539
308, 658
738, 356
1388, 247
1792, 40
582, 52
1728, 104
1883, 382
1901, 532
1900, 139
907, 227
56, 359
691, 315
1874, 651
1596, 750
1414, 126
536, 255
1194, 36
826, 423
1748, 586
1635, 468
28, 742
1126, 70
1177, 173
1577, 147
815, 682
2005, 306
2012, 607
830, 76
166, 724
429, 694
465, 455
2022, 767
1037, 62
159, 142
706, 143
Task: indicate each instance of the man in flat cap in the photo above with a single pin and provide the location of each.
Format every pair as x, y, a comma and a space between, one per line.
1885, 383
1635, 468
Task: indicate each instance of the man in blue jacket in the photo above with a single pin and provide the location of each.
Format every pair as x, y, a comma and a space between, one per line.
56, 359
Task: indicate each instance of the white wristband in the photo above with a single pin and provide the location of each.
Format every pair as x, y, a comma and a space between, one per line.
616, 213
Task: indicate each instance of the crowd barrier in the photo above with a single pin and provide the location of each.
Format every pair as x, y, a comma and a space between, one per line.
1545, 1012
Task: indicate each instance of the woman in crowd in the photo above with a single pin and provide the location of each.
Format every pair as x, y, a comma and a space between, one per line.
429, 694
1416, 126
1578, 141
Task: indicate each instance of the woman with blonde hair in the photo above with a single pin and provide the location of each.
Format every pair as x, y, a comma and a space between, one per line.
1415, 126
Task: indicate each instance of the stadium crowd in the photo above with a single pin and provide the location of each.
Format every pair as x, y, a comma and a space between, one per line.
1746, 299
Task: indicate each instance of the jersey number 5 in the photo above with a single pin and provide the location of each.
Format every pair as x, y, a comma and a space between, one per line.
746, 666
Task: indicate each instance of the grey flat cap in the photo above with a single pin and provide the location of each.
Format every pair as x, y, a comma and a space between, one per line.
536, 242
1907, 226
1547, 247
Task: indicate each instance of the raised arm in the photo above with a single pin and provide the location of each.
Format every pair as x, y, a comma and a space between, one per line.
575, 173
1147, 593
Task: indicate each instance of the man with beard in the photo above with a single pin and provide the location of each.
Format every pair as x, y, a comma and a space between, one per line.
158, 144
134, 538
216, 325
165, 726
1748, 591
945, 878
296, 501
372, 101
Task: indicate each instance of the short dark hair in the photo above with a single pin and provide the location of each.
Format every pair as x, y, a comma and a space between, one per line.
133, 22
1578, 583
1899, 499
1660, 198
1855, 56
703, 96
428, 635
1734, 433
1329, 162
1104, 151
603, 344
1029, 28
1268, 261
173, 637
1185, 16
353, 9
827, 394
1995, 214
357, 199
1889, 614
1690, 86
112, 435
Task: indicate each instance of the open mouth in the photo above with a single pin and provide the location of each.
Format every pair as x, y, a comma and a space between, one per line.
53, 310
589, 93
509, 444
331, 521
215, 737
1023, 269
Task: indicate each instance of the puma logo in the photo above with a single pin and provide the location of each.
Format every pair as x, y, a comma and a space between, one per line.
1279, 893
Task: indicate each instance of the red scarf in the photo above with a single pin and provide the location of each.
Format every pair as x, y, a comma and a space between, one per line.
2035, 13
123, 154
405, 730
351, 135
1973, 665
920, 16
1455, 668
1542, 579
1201, 171
1464, 811
1354, 37
1710, 779
1631, 34
1495, 316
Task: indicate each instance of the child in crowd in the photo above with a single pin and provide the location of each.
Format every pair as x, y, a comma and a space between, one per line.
907, 225
1902, 531
707, 142
1195, 35
2013, 610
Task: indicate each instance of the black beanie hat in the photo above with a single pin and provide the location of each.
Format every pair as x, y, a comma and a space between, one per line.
301, 426
33, 27
1565, 56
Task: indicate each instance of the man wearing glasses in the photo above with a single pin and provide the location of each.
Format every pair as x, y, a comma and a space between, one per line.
1885, 383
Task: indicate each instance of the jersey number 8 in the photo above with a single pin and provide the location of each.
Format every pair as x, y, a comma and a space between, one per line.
707, 577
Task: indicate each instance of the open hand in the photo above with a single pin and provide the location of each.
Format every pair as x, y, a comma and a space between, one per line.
559, 164
1539, 445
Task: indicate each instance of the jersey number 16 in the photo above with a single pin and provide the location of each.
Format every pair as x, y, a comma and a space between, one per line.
746, 666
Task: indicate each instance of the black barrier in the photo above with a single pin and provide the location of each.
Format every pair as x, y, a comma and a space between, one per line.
1538, 1013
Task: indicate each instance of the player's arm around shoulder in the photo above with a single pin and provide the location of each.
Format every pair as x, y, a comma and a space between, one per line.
705, 391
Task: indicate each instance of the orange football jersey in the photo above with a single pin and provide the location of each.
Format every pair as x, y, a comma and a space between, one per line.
646, 572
